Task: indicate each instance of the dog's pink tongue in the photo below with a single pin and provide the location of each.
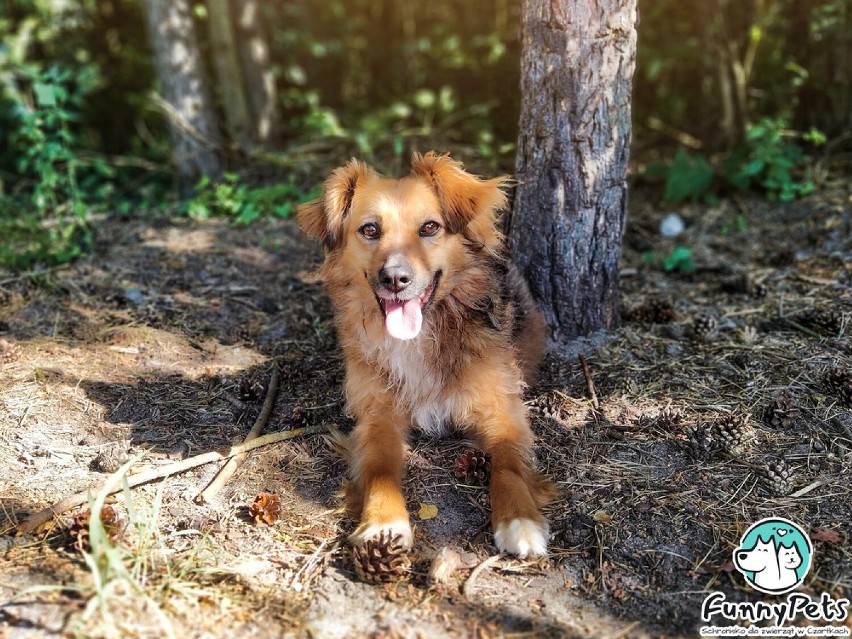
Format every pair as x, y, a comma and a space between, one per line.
403, 319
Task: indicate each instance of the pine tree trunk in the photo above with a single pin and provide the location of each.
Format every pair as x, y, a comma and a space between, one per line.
229, 75
184, 89
257, 72
570, 206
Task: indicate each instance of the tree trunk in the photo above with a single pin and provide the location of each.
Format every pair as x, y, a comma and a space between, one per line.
257, 72
570, 206
183, 83
229, 75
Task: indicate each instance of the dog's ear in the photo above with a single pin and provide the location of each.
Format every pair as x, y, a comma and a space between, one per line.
323, 218
464, 197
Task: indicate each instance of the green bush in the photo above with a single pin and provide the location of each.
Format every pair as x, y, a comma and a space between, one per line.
229, 197
770, 161
45, 218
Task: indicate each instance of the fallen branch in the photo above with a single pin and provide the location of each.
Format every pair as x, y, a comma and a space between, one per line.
590, 385
467, 589
233, 464
150, 474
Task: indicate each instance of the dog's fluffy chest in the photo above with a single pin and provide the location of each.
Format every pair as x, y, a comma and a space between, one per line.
420, 387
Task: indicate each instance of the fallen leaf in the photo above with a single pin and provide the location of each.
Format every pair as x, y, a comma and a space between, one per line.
602, 517
427, 511
829, 535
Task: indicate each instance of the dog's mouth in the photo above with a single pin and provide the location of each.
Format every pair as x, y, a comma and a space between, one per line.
404, 317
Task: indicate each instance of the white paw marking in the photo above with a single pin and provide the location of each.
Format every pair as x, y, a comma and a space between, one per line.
522, 537
399, 527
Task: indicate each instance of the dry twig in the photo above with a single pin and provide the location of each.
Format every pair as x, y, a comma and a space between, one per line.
467, 590
143, 477
227, 471
590, 385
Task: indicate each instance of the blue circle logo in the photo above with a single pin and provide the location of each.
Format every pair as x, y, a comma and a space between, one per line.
774, 555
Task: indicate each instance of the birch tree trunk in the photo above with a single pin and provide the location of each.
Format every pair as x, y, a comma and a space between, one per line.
569, 211
184, 89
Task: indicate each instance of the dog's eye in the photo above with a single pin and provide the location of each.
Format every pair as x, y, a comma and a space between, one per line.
429, 228
370, 231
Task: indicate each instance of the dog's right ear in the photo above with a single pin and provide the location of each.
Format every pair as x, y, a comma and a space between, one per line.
323, 218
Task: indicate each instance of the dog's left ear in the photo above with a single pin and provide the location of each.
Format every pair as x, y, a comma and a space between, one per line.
464, 197
323, 218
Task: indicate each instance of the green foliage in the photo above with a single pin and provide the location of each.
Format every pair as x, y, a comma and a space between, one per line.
679, 260
769, 160
689, 177
53, 226
230, 197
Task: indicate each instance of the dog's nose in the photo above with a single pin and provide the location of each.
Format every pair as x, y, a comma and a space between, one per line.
396, 274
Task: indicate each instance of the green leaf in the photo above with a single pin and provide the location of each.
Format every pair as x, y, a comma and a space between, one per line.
45, 94
680, 259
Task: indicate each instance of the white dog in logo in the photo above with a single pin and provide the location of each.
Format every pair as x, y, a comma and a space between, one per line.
774, 569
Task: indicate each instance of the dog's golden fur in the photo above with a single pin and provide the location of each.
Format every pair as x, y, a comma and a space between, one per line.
425, 249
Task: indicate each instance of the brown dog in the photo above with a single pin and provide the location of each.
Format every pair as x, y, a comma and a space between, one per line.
438, 331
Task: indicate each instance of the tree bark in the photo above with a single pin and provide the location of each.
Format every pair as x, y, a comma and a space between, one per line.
570, 207
257, 72
229, 75
183, 83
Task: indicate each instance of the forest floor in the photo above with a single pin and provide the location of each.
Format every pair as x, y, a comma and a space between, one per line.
160, 345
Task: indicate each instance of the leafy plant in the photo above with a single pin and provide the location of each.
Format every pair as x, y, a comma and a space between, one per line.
769, 160
679, 260
53, 226
689, 177
229, 197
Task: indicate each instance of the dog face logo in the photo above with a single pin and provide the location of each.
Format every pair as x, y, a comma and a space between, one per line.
774, 555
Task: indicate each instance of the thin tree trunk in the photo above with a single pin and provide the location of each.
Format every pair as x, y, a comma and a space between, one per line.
229, 73
183, 84
569, 213
258, 77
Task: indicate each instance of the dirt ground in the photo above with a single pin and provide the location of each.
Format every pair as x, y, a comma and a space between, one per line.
160, 345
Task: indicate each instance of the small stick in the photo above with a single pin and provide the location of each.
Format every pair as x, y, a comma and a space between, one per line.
150, 474
590, 385
467, 589
227, 471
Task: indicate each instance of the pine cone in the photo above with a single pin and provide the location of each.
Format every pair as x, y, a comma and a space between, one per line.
78, 533
473, 467
705, 327
839, 380
551, 405
782, 412
729, 433
670, 418
744, 283
250, 389
826, 319
299, 416
653, 312
9, 352
702, 443
778, 478
381, 559
265, 509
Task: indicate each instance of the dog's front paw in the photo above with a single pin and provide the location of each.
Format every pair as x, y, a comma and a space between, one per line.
400, 528
522, 537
